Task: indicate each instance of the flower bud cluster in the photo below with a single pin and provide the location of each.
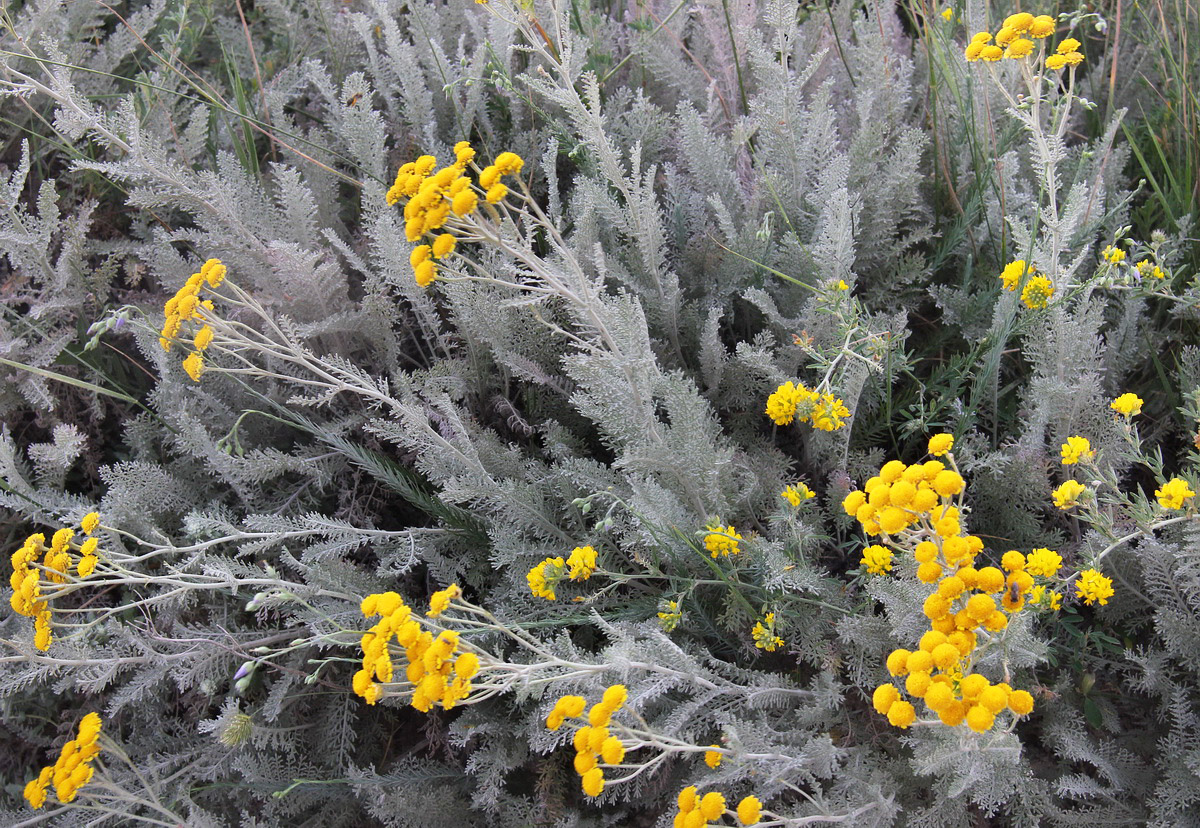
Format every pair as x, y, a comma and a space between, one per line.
439, 671
26, 579
73, 768
434, 196
792, 401
595, 745
186, 305
545, 577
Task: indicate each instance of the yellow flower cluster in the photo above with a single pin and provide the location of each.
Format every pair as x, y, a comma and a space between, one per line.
722, 540
797, 493
669, 615
594, 744
1067, 54
1093, 587
877, 559
434, 196
545, 577
1037, 292
1173, 493
1113, 255
1147, 268
916, 508
696, 811
57, 562
1009, 40
1067, 495
437, 669
792, 401
73, 768
1011, 276
1127, 404
764, 634
187, 305
1075, 449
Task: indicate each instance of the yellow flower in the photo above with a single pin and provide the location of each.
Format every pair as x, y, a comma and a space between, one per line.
1056, 62
1127, 404
496, 193
749, 810
948, 14
1019, 22
35, 789
781, 405
443, 245
213, 272
797, 493
1111, 254
939, 444
712, 806
1037, 292
194, 365
1093, 587
425, 273
1070, 44
1019, 48
89, 523
1042, 26
582, 562
593, 782
441, 599
721, 540
1075, 449
1067, 495
1043, 562
877, 559
974, 50
713, 758
1173, 493
203, 338
544, 577
764, 634
669, 615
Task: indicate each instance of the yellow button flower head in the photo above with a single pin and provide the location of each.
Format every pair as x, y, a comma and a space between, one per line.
877, 559
593, 782
884, 697
1067, 495
1075, 449
1042, 26
1019, 22
901, 714
939, 444
1093, 587
712, 805
1127, 404
443, 245
1019, 48
1056, 62
1070, 44
441, 600
749, 810
1037, 292
194, 366
975, 49
713, 758
1173, 493
89, 523
1006, 35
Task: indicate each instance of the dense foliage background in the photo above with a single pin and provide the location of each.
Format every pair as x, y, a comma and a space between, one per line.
717, 197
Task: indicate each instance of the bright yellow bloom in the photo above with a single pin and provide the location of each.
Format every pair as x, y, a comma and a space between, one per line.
593, 782
712, 805
901, 714
1092, 587
939, 444
544, 577
443, 245
582, 562
194, 365
1075, 449
797, 493
781, 405
89, 523
1067, 495
1019, 48
948, 14
1173, 493
974, 50
1070, 44
1074, 59
1019, 22
877, 559
1127, 404
441, 600
1043, 562
1037, 292
425, 273
1114, 255
1056, 62
722, 540
1042, 26
1006, 35
713, 758
203, 338
749, 810
496, 193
